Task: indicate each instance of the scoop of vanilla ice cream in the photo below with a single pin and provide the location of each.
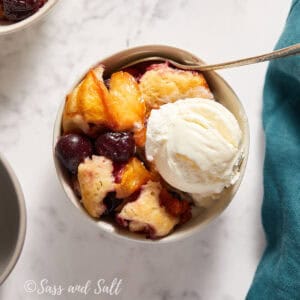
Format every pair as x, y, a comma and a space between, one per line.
195, 146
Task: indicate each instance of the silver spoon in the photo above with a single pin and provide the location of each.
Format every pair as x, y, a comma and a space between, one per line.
288, 51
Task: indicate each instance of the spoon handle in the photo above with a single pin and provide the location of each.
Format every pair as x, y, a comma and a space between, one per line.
288, 51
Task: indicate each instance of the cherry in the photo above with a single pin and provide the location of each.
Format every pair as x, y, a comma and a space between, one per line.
118, 171
1, 10
72, 149
111, 203
117, 146
17, 10
138, 70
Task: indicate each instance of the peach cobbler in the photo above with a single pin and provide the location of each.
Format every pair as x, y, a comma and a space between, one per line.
116, 159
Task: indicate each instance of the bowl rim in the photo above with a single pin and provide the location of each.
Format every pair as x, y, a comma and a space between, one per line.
132, 237
17, 26
23, 221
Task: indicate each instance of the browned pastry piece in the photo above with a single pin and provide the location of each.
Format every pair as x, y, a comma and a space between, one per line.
96, 180
146, 214
162, 84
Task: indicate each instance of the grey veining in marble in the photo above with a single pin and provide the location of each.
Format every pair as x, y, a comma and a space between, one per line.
37, 67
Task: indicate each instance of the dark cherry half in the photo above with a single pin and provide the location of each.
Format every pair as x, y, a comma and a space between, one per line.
111, 203
72, 149
117, 146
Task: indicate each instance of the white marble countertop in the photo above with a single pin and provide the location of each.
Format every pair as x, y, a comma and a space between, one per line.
36, 68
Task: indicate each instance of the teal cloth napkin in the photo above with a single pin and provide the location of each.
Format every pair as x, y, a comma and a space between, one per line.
278, 273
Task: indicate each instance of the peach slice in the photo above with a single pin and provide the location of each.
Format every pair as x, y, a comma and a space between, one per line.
125, 104
140, 137
72, 120
133, 176
91, 95
85, 104
174, 206
119, 108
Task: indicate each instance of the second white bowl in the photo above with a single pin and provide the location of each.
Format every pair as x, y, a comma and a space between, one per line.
6, 28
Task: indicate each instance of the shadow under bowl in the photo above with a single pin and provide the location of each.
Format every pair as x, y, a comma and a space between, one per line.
223, 93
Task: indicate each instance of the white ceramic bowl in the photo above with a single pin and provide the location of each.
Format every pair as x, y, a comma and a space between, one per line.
6, 27
12, 219
222, 92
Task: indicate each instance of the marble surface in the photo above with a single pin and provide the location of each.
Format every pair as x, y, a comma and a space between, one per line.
36, 69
